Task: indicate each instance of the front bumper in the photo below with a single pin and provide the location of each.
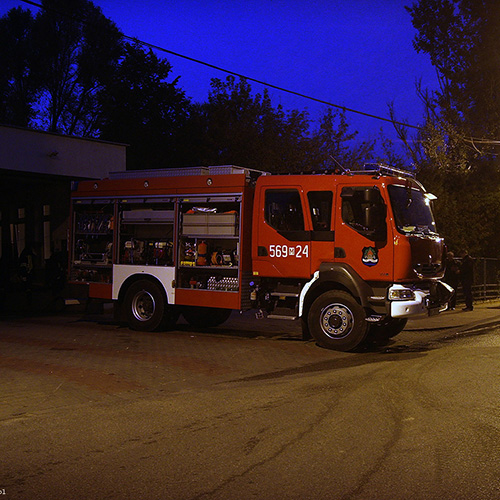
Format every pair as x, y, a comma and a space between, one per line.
428, 302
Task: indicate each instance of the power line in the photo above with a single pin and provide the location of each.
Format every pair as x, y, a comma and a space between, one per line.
270, 85
239, 75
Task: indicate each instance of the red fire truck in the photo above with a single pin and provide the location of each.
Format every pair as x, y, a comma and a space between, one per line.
348, 254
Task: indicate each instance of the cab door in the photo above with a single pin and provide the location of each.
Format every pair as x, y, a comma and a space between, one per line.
362, 236
282, 243
322, 236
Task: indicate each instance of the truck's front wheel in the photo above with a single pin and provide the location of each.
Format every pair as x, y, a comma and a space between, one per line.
337, 321
145, 306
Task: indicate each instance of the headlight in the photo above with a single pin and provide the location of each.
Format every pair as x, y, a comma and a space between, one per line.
401, 294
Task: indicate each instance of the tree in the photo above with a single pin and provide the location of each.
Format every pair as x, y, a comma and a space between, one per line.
78, 49
141, 108
237, 127
63, 59
18, 85
462, 40
331, 146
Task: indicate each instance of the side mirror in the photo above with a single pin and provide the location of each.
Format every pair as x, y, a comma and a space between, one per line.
375, 223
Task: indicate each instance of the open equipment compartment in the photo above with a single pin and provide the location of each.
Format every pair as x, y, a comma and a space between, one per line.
209, 244
92, 242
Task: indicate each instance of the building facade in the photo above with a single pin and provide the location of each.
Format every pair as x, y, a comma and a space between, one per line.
36, 173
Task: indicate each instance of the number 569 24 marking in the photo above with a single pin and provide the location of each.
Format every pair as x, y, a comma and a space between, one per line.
297, 251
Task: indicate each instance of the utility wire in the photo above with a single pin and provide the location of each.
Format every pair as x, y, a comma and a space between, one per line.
239, 75
270, 85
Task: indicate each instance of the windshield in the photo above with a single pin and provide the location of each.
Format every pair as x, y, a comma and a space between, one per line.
412, 210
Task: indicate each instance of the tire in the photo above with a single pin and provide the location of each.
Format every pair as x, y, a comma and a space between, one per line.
388, 328
205, 317
146, 307
337, 321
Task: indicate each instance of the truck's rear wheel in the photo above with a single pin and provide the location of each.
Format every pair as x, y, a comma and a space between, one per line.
146, 306
337, 321
205, 317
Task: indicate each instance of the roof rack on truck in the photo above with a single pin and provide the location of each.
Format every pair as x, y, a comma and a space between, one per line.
382, 169
251, 173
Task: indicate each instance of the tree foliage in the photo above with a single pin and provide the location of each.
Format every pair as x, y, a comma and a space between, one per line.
238, 127
463, 42
331, 145
76, 54
455, 152
65, 57
141, 108
18, 82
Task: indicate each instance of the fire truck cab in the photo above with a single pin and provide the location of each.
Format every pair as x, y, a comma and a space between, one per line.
348, 255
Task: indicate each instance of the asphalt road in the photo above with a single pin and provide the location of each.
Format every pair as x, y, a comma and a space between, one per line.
94, 411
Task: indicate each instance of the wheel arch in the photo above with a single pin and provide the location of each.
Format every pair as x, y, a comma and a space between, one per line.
337, 276
139, 277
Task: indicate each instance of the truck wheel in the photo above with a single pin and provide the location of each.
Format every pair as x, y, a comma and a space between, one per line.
337, 321
205, 317
146, 306
389, 328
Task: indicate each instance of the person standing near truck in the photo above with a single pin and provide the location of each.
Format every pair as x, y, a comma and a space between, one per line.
467, 278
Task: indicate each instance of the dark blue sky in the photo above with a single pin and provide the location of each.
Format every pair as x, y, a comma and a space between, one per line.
355, 53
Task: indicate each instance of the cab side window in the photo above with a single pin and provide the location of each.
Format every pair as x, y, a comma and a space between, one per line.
353, 205
320, 204
364, 210
283, 210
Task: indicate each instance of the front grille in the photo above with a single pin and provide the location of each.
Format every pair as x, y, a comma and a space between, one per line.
428, 270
